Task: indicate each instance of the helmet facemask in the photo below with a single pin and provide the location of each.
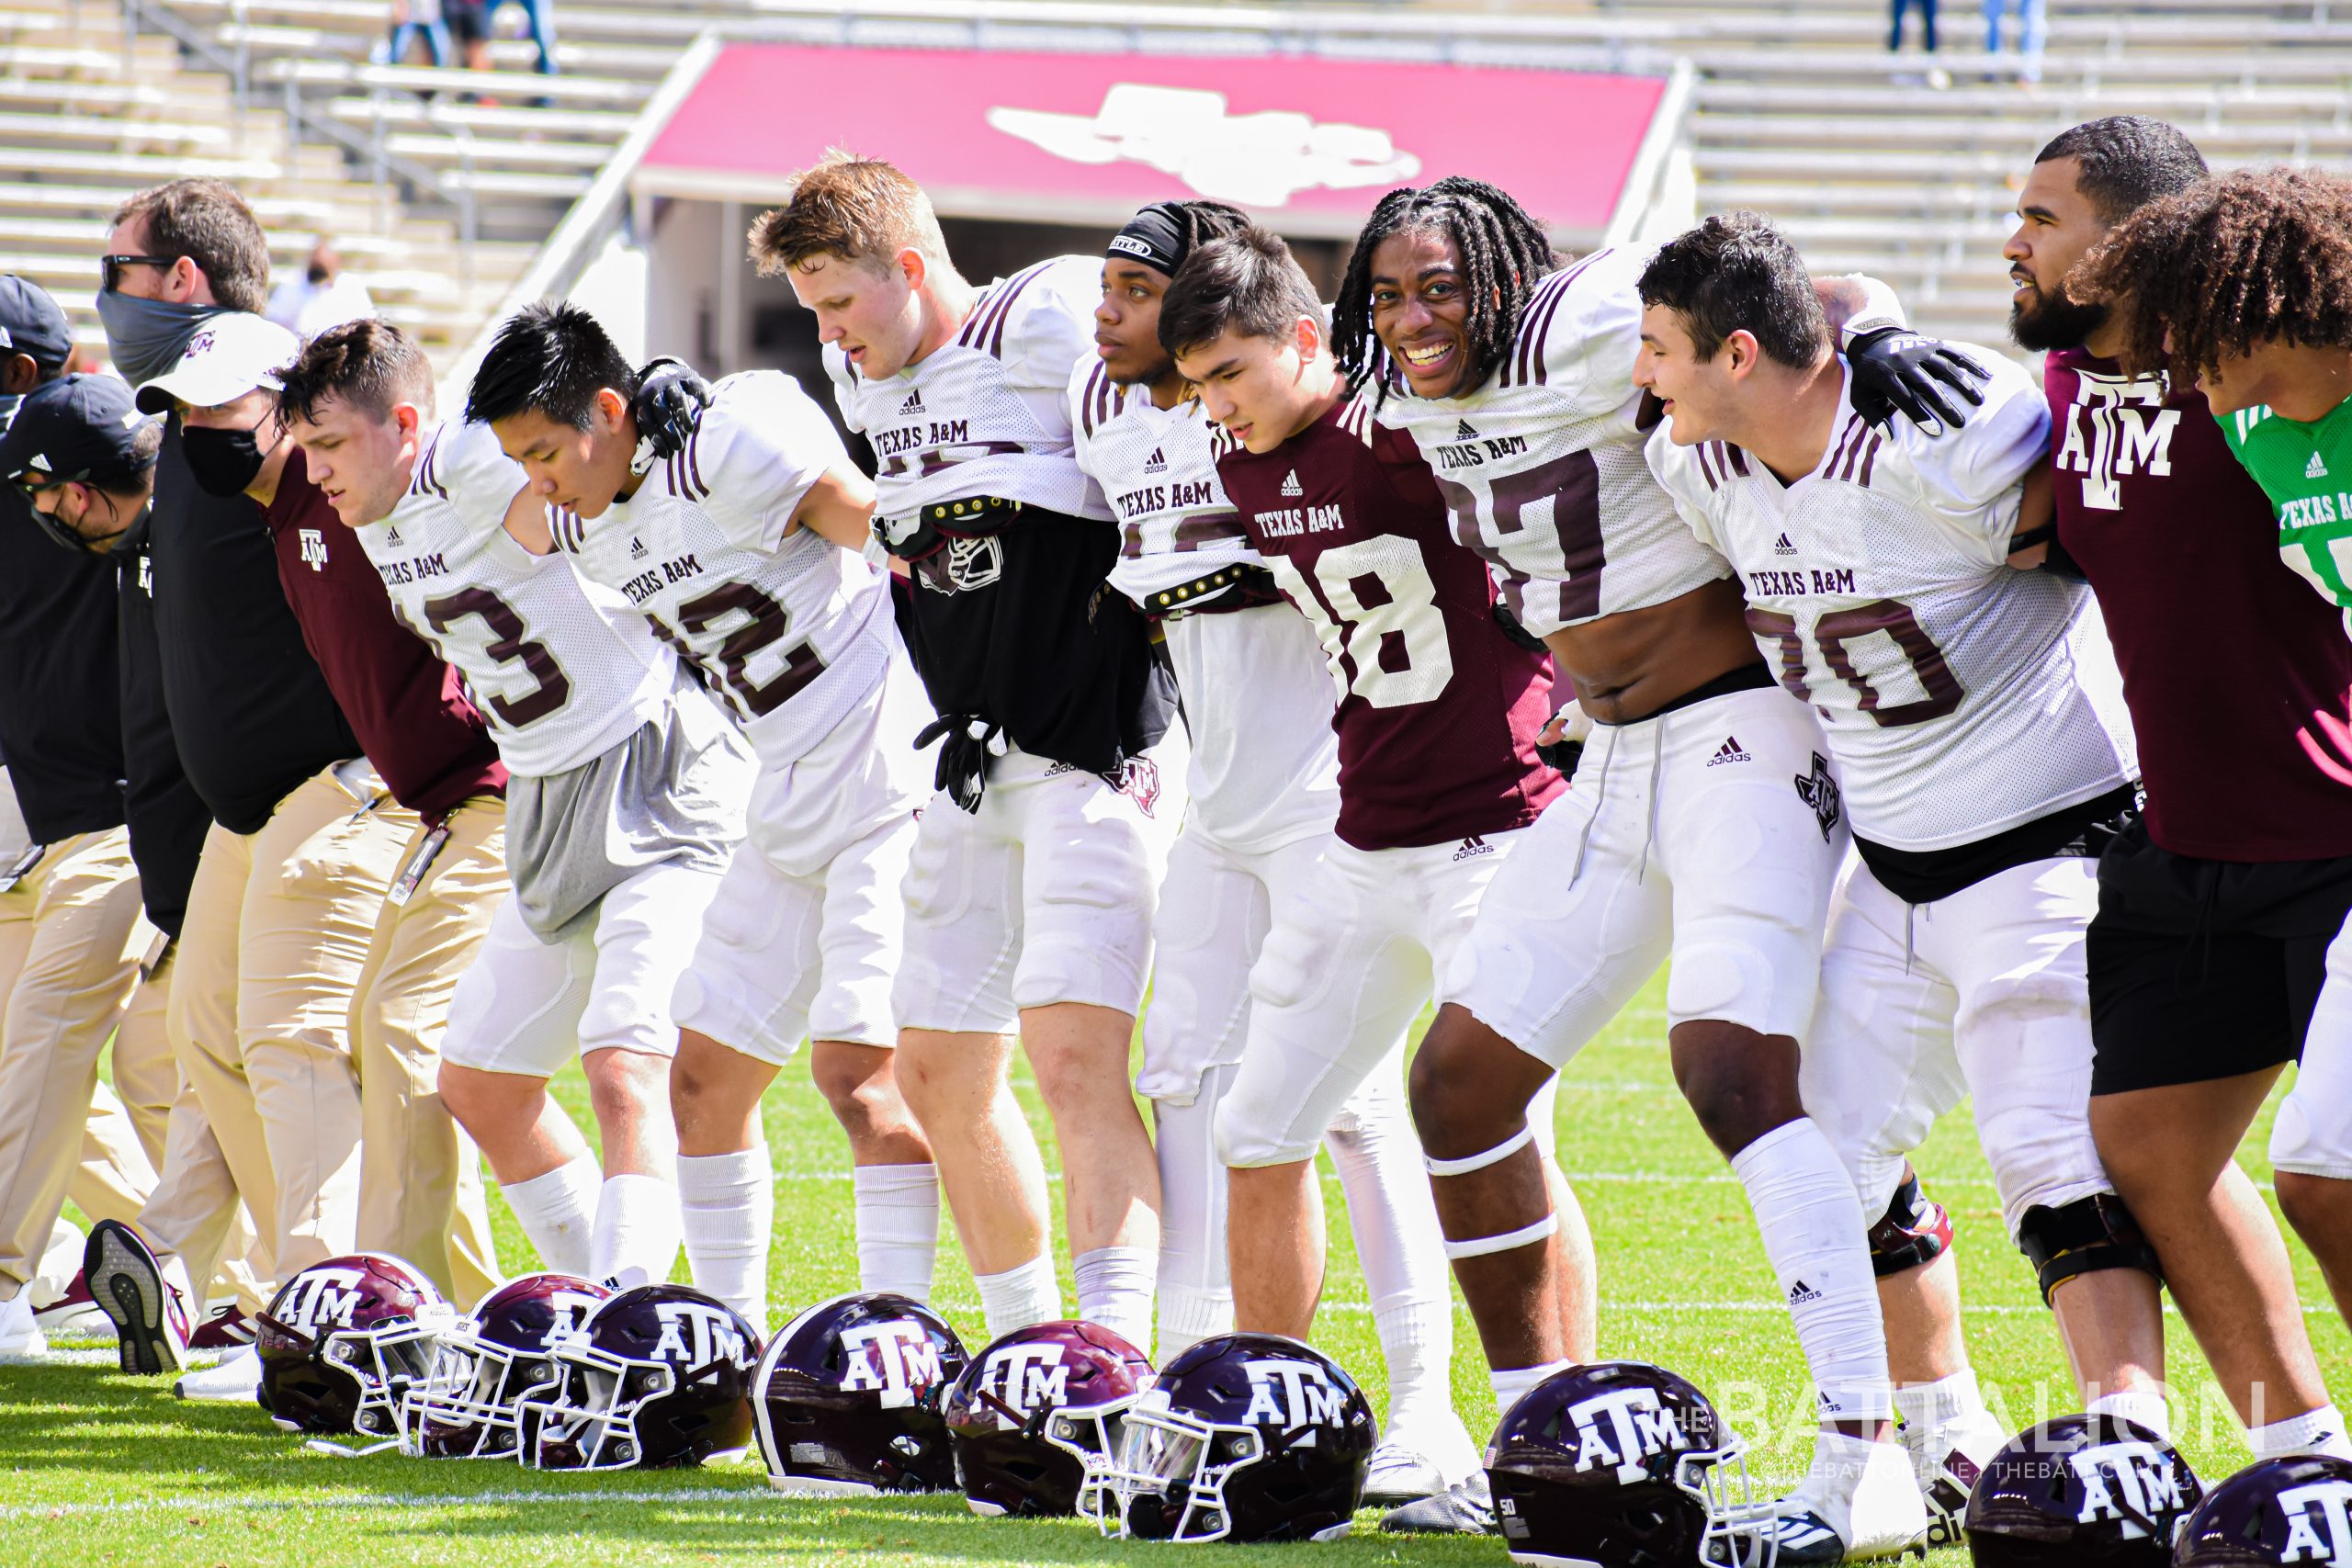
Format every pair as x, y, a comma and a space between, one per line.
1165, 1480
590, 1421
377, 1365
467, 1407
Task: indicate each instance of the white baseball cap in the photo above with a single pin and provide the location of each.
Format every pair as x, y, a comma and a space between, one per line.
230, 356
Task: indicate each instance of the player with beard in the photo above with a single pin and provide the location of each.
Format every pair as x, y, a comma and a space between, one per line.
1260, 799
2218, 906
1690, 834
1975, 711
625, 801
742, 551
1037, 869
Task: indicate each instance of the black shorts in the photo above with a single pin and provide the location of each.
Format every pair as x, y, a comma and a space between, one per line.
2203, 969
468, 19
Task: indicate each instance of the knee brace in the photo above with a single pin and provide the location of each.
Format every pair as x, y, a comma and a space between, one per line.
1525, 1236
1914, 1232
2083, 1237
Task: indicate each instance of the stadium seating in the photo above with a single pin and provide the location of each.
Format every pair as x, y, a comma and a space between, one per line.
1896, 163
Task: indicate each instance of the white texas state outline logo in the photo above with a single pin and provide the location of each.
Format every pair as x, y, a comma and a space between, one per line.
1262, 159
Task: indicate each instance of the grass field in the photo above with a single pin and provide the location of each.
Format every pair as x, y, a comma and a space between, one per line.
103, 1469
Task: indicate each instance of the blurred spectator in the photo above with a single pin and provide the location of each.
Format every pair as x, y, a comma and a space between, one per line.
2033, 32
322, 297
469, 23
412, 20
1926, 9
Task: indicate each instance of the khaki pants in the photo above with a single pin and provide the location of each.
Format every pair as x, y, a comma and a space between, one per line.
277, 930
68, 967
421, 1194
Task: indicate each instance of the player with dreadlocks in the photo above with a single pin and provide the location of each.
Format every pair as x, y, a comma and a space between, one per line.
1684, 837
2246, 283
1263, 792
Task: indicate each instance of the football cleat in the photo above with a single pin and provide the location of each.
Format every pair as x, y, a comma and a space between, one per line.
1398, 1475
1467, 1507
1858, 1502
1946, 1460
234, 1380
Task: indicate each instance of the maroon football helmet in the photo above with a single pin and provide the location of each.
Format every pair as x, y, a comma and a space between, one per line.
847, 1398
2080, 1491
467, 1407
658, 1375
344, 1340
1035, 1409
2274, 1511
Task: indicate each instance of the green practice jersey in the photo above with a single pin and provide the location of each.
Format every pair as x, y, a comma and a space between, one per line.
2306, 469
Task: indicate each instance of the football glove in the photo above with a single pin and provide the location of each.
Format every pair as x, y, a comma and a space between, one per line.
1899, 371
670, 398
1561, 742
969, 743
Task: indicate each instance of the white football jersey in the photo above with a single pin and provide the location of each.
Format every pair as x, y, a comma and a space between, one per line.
1156, 469
1960, 696
564, 669
986, 413
792, 631
1542, 466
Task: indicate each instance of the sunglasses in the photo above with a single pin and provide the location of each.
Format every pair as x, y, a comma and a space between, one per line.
111, 268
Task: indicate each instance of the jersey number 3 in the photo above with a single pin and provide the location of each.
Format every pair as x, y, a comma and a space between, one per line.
551, 687
1377, 606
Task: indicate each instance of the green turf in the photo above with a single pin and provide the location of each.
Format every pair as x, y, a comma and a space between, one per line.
96, 1468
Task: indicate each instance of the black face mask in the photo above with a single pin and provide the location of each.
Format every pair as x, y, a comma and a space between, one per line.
223, 461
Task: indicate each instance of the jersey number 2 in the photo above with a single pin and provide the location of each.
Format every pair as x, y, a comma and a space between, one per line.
1377, 606
553, 688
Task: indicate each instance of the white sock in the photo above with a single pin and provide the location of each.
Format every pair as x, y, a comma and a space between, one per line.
557, 1212
2143, 1406
1195, 1290
1946, 1402
897, 1229
1114, 1290
1514, 1384
1019, 1297
2317, 1431
1817, 1240
725, 1210
1403, 1251
636, 1240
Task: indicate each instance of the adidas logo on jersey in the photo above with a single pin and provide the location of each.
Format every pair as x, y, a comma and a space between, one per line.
914, 403
392, 536
1801, 1292
1729, 751
1780, 547
1462, 431
1157, 463
2316, 469
1291, 485
635, 549
1473, 847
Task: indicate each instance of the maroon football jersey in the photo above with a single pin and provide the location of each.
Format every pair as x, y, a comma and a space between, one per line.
2239, 677
1438, 708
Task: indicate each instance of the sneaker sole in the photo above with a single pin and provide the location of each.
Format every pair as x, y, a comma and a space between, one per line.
123, 1279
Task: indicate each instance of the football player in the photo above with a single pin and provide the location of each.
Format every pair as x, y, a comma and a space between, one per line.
1037, 868
1260, 799
625, 803
1437, 715
1693, 833
742, 551
1976, 718
2218, 908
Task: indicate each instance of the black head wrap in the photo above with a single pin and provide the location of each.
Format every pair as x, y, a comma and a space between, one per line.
1156, 237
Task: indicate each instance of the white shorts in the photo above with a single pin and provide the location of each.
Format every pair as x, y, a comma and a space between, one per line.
2312, 1134
1982, 993
526, 1006
1340, 980
1045, 895
804, 937
1709, 834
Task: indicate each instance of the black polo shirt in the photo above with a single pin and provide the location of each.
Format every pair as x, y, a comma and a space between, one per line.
249, 709
61, 718
168, 819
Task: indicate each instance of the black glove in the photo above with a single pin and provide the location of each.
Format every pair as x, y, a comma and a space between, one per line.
970, 743
1898, 371
670, 399
1563, 755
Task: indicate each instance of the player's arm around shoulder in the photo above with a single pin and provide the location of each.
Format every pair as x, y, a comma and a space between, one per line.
757, 456
489, 488
1988, 481
1592, 332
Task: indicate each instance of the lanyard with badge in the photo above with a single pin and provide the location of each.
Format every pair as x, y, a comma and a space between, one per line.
22, 866
411, 876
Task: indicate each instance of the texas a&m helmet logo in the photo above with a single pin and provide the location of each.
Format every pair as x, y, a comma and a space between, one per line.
1622, 1429
1026, 1378
2130, 1482
896, 1358
320, 1299
694, 1334
1293, 1393
2319, 1523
